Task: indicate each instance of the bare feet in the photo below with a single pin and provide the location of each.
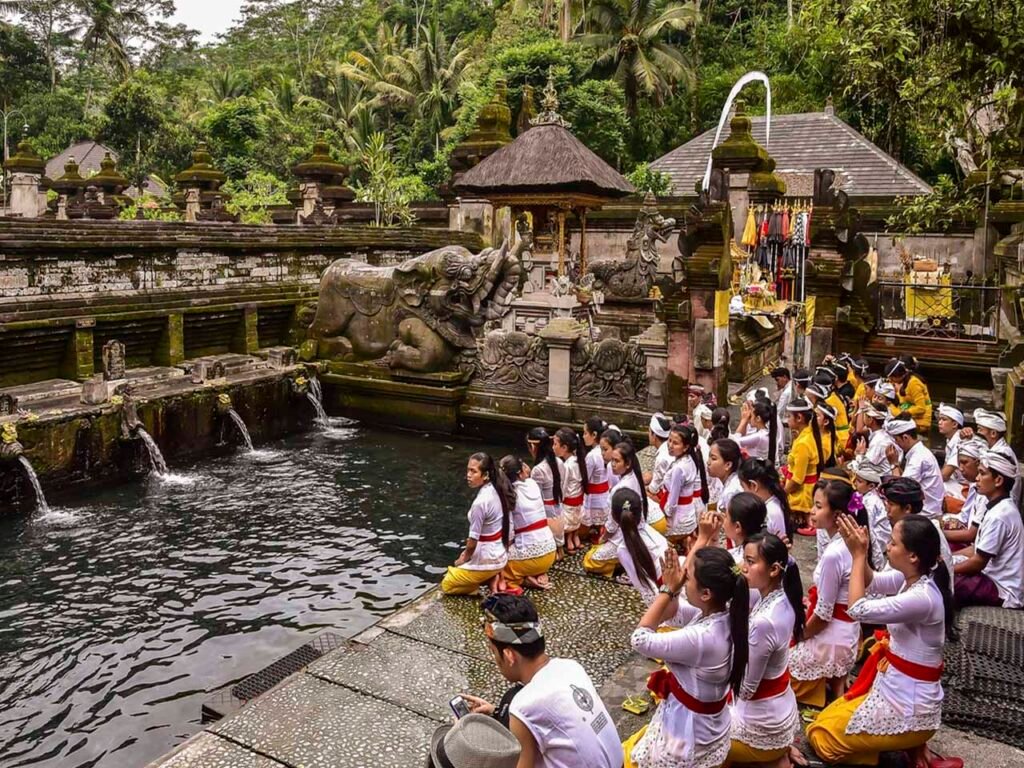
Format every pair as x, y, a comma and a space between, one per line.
796, 755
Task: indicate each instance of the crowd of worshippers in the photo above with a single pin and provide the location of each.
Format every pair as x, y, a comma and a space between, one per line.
705, 537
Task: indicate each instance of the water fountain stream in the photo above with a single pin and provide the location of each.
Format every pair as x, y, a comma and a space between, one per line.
246, 438
316, 397
156, 458
41, 506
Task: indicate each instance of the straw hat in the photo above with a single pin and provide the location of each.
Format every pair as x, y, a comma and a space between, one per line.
475, 741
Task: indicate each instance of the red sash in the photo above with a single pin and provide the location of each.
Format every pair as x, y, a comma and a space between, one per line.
494, 536
771, 687
573, 501
663, 497
808, 479
881, 653
601, 487
838, 612
663, 683
550, 503
533, 526
685, 499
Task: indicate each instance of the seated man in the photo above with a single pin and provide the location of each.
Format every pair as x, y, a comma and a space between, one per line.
992, 571
557, 716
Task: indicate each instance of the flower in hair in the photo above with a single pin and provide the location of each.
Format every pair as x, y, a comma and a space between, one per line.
737, 570
856, 504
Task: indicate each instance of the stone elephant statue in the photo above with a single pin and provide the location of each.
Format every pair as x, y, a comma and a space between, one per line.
416, 315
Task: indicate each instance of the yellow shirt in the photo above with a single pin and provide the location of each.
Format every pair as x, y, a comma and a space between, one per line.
842, 417
860, 393
918, 403
802, 466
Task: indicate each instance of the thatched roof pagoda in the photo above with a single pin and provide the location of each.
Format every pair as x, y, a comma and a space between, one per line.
546, 171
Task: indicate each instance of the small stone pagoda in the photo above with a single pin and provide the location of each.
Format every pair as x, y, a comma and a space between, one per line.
69, 186
199, 186
27, 171
321, 187
110, 183
492, 132
545, 176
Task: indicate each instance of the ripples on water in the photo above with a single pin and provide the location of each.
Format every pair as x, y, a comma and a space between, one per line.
122, 610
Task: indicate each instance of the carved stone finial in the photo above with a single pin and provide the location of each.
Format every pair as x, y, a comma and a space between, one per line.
550, 104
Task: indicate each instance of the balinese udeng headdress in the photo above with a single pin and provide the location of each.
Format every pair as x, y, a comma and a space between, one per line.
954, 414
897, 427
998, 461
656, 425
517, 633
974, 448
990, 419
886, 389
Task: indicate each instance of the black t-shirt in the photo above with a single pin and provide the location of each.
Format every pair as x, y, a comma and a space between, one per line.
501, 713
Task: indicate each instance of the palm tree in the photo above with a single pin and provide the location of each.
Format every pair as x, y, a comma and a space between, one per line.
106, 30
630, 34
374, 68
226, 83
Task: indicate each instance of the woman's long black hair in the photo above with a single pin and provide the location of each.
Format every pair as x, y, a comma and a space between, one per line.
748, 512
831, 460
503, 485
768, 412
719, 424
839, 494
540, 436
920, 536
773, 550
764, 473
692, 442
908, 365
628, 453
627, 509
715, 571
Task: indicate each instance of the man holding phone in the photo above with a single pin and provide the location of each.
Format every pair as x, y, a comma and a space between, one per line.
556, 713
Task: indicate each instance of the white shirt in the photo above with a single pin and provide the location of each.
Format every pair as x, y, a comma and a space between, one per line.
729, 489
683, 481
595, 505
529, 510
1001, 536
775, 521
654, 511
541, 473
833, 651
662, 461
767, 723
878, 442
953, 458
572, 482
700, 657
921, 465
915, 618
656, 545
485, 518
785, 398
754, 443
566, 717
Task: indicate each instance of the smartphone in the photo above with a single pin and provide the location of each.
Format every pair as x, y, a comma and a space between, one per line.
459, 706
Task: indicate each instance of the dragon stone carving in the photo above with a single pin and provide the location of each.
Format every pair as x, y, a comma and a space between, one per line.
609, 370
633, 277
419, 314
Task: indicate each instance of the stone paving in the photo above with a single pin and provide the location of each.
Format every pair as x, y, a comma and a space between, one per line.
376, 701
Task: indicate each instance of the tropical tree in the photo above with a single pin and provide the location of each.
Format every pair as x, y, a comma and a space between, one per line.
630, 38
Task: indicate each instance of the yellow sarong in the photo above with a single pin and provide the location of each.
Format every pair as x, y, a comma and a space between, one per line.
517, 570
830, 741
604, 568
463, 581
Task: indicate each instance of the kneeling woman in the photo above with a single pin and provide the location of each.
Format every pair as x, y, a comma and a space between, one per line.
485, 554
686, 484
831, 637
532, 550
603, 556
765, 718
642, 547
895, 705
704, 660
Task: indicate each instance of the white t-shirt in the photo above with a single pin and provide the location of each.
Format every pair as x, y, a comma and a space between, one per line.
567, 718
1001, 535
921, 465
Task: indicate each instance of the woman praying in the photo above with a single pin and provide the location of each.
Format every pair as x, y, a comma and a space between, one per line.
687, 485
531, 552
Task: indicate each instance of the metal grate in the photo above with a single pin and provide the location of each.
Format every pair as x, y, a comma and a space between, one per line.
228, 700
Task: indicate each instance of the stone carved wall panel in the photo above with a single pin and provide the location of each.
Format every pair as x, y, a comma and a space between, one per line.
513, 362
610, 370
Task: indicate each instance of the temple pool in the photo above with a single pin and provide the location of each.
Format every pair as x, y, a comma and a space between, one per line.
120, 612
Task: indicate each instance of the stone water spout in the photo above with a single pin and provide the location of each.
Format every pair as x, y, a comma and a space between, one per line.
130, 423
10, 449
225, 408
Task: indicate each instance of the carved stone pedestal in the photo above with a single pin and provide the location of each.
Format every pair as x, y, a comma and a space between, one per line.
560, 335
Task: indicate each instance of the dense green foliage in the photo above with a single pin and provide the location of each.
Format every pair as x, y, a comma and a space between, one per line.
635, 78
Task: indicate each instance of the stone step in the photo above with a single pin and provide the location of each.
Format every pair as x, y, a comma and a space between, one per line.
50, 389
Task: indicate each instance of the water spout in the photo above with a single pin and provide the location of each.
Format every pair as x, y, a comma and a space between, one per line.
316, 397
156, 459
242, 429
41, 506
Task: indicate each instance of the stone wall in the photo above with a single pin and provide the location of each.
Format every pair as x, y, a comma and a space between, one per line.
169, 290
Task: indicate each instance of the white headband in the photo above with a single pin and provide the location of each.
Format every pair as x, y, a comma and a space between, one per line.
701, 412
656, 427
973, 448
885, 389
799, 406
899, 426
951, 413
874, 413
817, 390
990, 419
1000, 462
873, 473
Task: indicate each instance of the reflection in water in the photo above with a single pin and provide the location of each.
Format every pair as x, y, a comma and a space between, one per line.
119, 616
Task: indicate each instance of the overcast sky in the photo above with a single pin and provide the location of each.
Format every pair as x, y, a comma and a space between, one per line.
210, 17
